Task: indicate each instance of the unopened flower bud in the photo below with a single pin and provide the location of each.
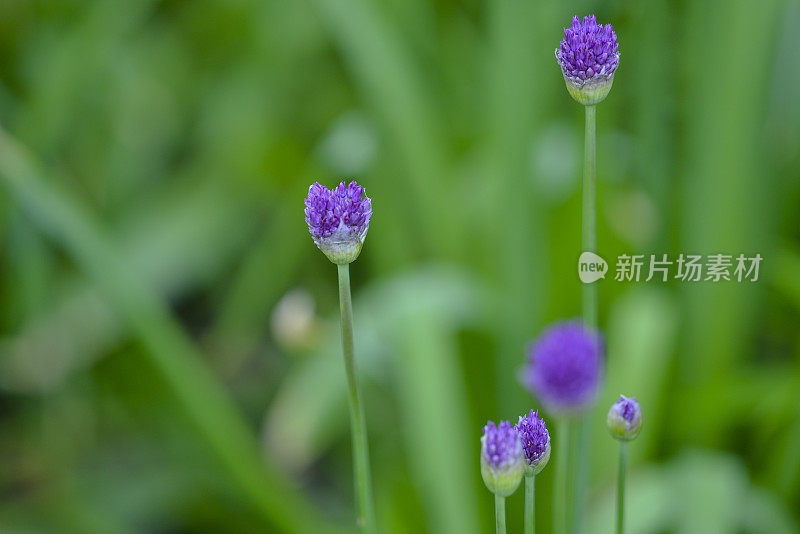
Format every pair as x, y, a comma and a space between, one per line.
338, 220
588, 56
501, 458
535, 442
624, 419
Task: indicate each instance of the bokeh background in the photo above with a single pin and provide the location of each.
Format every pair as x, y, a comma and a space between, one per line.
170, 356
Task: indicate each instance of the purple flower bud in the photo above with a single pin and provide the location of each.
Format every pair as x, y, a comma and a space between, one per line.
588, 56
338, 220
535, 442
501, 458
564, 367
624, 419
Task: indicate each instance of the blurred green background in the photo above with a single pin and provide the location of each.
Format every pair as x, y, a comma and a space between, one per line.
170, 356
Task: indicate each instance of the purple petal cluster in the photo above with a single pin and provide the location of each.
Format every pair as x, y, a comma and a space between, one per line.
589, 51
534, 436
627, 407
500, 445
565, 366
345, 211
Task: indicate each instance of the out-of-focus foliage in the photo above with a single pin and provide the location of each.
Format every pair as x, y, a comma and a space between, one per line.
169, 359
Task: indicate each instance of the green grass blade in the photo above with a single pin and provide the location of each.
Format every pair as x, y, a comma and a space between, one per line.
369, 41
195, 388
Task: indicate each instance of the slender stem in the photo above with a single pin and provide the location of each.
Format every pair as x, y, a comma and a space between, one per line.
561, 498
365, 519
589, 307
530, 504
623, 460
582, 437
500, 513
588, 221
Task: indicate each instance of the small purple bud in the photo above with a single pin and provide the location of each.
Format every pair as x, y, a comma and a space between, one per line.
501, 458
338, 220
588, 56
535, 442
565, 367
624, 419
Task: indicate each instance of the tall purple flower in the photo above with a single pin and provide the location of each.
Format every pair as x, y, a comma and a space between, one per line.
588, 56
565, 366
535, 442
501, 458
624, 419
338, 220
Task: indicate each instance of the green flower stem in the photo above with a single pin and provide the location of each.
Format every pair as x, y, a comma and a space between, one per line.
623, 460
589, 308
530, 504
582, 438
561, 497
364, 508
500, 513
588, 221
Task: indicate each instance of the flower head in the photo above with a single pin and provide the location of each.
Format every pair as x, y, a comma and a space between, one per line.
501, 458
588, 56
338, 220
564, 367
624, 419
535, 442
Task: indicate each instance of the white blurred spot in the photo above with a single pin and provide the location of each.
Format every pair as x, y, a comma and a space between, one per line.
350, 145
293, 321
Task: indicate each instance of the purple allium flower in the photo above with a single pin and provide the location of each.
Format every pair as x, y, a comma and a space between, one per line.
501, 458
588, 56
564, 367
535, 442
338, 220
624, 419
